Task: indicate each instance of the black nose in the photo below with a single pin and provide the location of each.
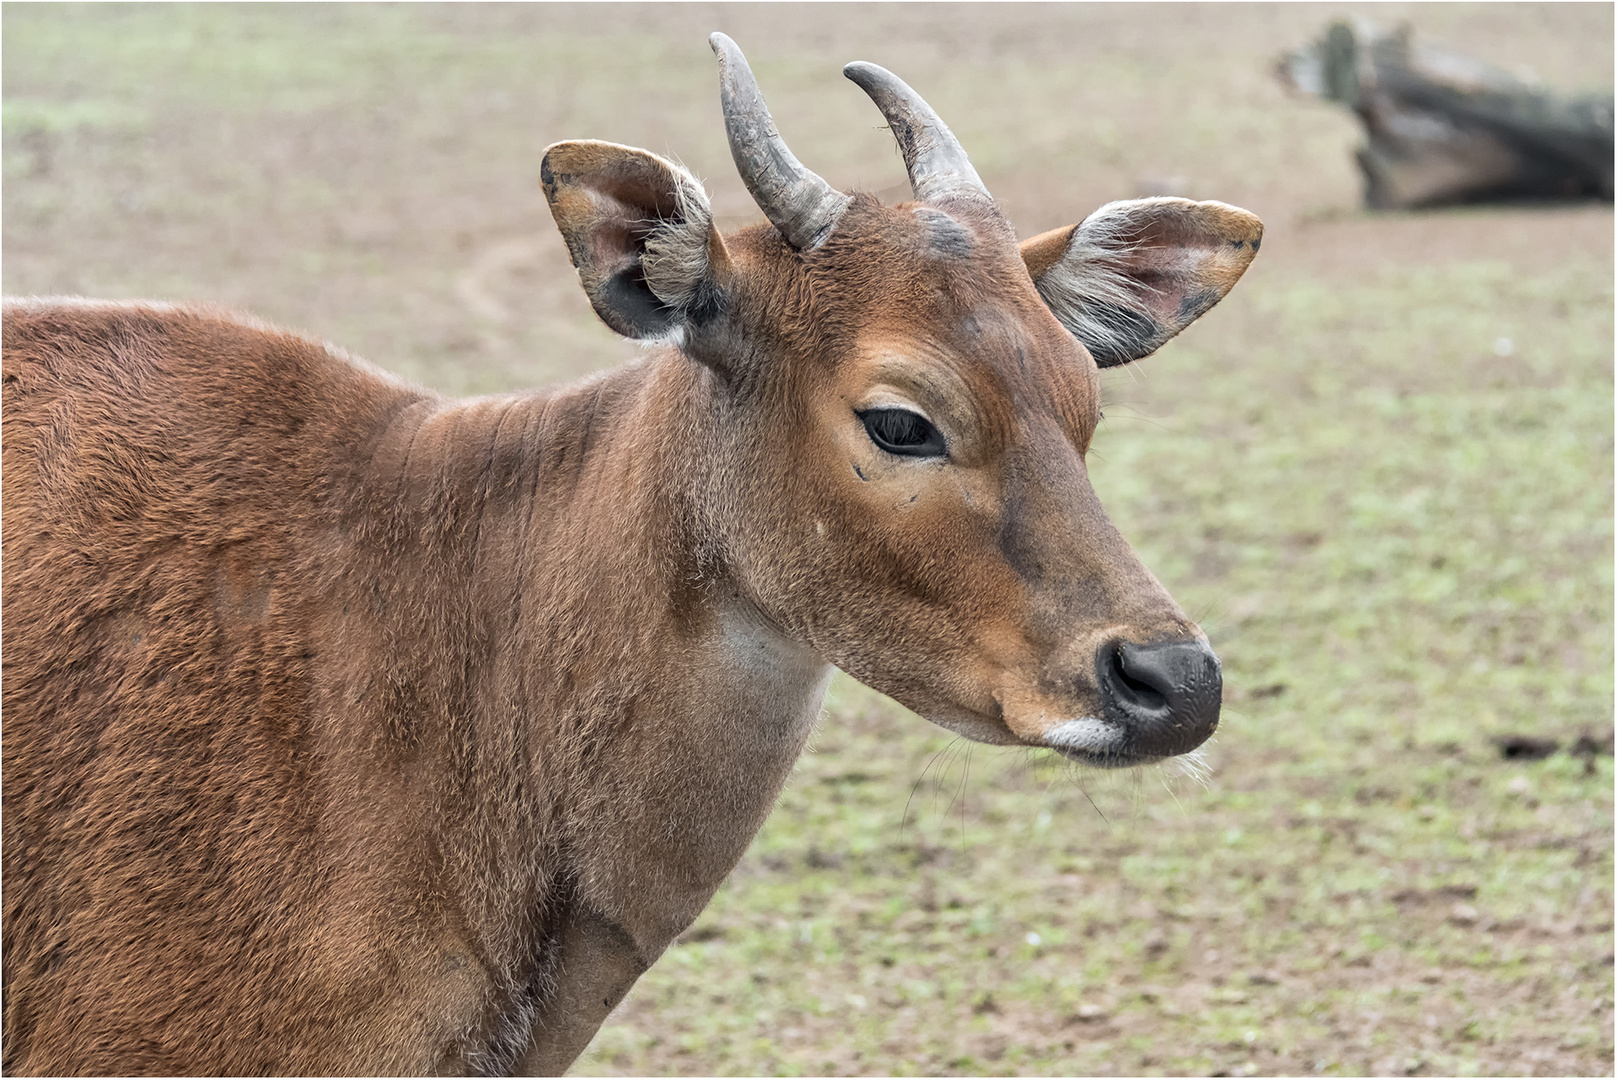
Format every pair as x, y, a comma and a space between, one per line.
1165, 694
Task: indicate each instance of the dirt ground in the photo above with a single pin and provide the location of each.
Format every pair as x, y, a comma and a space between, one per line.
369, 175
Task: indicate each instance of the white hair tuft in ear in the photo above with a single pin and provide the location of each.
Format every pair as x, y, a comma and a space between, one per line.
1091, 292
676, 260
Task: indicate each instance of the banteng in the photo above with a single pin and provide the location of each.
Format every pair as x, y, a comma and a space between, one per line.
353, 729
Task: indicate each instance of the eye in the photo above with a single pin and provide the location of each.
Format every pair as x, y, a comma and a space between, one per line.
899, 431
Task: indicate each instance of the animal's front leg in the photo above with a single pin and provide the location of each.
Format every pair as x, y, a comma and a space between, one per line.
599, 963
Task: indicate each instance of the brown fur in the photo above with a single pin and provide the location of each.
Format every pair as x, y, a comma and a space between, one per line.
351, 729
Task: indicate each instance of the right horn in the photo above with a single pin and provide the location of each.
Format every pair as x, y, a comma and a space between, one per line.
937, 163
800, 204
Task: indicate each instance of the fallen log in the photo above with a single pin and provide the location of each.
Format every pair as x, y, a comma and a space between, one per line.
1444, 128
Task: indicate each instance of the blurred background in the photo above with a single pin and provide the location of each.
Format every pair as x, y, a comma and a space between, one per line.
1379, 474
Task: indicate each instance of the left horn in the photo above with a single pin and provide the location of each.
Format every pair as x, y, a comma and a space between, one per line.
800, 204
936, 161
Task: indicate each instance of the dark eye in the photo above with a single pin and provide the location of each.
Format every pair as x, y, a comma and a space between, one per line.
899, 431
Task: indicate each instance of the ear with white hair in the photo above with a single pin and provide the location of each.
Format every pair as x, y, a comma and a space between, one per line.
640, 232
1133, 274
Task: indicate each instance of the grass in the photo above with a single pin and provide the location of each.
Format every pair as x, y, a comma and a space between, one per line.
1380, 475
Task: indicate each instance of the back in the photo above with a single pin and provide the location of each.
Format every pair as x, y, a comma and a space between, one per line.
168, 480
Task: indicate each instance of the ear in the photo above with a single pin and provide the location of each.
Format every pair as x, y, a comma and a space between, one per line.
640, 232
1136, 273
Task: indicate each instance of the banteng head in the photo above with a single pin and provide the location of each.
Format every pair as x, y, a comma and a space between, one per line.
900, 399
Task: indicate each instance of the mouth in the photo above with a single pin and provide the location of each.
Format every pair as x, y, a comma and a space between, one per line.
1098, 743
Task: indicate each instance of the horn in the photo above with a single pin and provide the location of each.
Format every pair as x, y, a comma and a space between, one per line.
937, 163
800, 204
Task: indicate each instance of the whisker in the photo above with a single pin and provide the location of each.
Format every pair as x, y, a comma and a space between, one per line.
1085, 791
919, 780
1163, 777
1144, 419
951, 752
1193, 766
1211, 608
959, 793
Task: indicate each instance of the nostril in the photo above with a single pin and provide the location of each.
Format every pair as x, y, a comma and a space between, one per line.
1144, 694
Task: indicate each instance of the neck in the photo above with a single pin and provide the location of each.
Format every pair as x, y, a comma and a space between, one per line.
613, 711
